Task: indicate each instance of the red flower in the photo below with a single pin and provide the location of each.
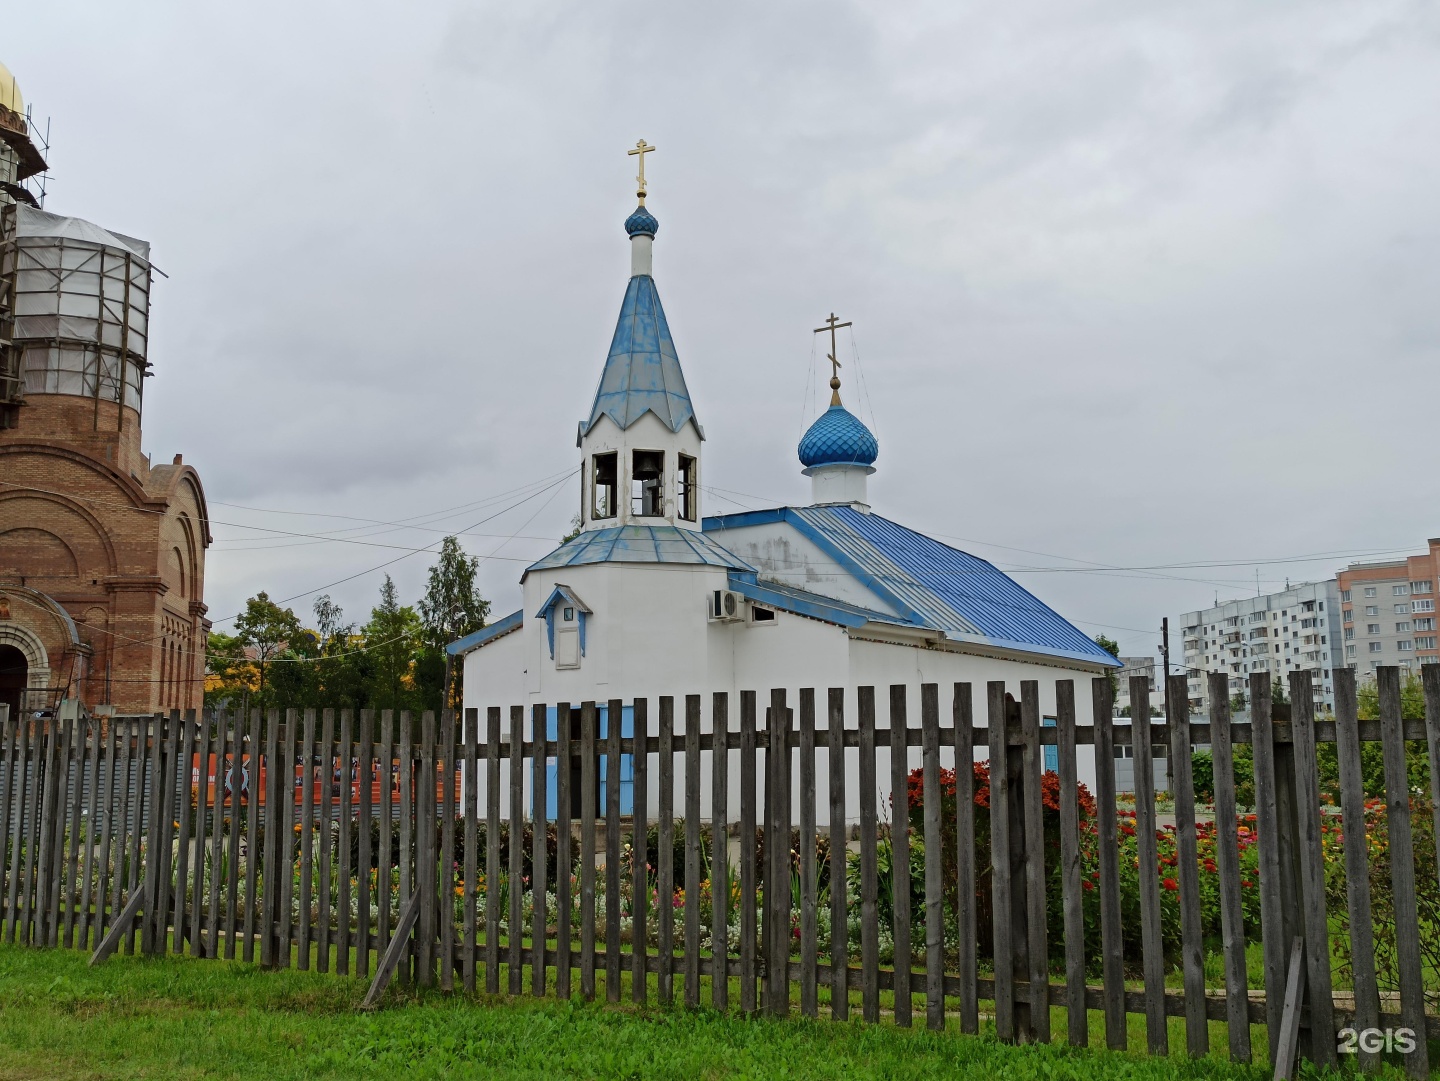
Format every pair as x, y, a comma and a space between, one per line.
1170, 884
1087, 884
1210, 866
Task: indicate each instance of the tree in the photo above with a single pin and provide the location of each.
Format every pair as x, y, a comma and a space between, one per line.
342, 668
451, 608
392, 636
267, 629
229, 674
574, 530
1372, 757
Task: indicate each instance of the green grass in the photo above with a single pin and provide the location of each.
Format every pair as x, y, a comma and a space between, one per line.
181, 1018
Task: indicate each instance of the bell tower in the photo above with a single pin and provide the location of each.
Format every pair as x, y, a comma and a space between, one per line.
640, 447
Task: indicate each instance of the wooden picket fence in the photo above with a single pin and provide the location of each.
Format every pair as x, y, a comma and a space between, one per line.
318, 841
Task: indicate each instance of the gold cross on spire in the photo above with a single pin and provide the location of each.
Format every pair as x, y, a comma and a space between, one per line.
641, 149
832, 325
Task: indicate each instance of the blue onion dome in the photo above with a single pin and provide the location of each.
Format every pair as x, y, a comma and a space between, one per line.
641, 223
838, 438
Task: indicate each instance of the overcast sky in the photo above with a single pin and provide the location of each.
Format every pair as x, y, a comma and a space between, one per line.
1135, 285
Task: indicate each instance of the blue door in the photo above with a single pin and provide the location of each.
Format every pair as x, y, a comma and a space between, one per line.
1052, 754
627, 762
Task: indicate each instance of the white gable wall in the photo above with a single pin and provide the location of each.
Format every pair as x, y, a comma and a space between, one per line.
781, 553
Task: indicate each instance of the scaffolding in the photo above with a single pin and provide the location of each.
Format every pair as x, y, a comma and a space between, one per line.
80, 308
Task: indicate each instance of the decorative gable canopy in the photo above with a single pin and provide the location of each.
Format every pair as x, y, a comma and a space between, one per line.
563, 597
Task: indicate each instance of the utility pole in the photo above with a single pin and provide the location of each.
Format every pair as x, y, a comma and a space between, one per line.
1165, 655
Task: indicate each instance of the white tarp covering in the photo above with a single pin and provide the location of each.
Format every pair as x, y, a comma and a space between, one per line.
82, 306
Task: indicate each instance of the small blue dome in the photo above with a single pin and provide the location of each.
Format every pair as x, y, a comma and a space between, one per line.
838, 438
641, 223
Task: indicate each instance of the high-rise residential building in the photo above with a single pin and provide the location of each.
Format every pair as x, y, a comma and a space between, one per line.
1136, 666
1388, 612
1296, 629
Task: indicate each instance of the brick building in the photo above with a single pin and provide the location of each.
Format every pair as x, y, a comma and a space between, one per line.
1388, 612
102, 554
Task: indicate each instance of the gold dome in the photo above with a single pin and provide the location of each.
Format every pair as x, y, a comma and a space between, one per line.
10, 92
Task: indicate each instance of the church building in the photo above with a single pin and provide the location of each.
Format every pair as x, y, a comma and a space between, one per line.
102, 553
653, 598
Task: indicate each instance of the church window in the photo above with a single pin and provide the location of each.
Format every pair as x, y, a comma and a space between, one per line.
605, 484
687, 487
647, 484
569, 615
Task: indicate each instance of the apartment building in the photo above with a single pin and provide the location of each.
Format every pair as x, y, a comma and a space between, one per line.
1295, 629
1388, 612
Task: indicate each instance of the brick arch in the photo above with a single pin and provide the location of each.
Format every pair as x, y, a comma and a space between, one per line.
89, 530
36, 553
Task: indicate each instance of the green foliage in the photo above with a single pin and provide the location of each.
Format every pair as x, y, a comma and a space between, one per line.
1372, 755
396, 660
1202, 770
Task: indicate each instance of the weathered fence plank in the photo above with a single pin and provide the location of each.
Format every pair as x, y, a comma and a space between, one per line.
365, 821
445, 863
307, 841
869, 859
839, 929
1034, 816
1402, 870
748, 708
615, 712
1312, 872
385, 865
1192, 957
665, 853
1152, 948
692, 856
285, 809
515, 920
588, 799
1227, 851
325, 768
539, 857
346, 767
1076, 1018
252, 832
809, 926
470, 811
1001, 904
1267, 823
963, 718
492, 851
900, 852
934, 875
719, 850
564, 824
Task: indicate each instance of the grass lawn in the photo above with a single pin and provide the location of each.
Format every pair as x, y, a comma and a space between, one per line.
181, 1018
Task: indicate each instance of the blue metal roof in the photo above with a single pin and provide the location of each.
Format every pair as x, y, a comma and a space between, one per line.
642, 372
475, 640
838, 437
641, 544
932, 584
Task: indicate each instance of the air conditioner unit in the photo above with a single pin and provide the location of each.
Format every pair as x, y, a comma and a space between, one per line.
727, 606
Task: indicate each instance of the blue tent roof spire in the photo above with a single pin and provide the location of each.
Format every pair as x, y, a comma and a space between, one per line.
642, 371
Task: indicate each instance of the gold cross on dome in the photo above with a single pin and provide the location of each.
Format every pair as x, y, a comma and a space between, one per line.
832, 325
641, 149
